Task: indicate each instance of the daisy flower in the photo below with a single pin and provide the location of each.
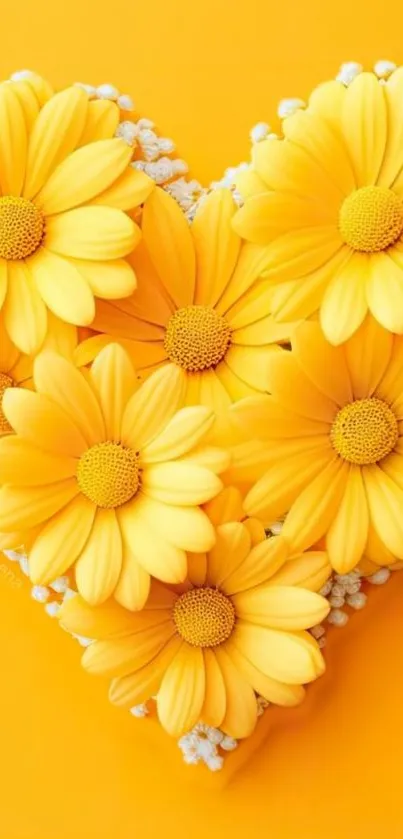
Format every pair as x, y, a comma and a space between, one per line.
113, 473
65, 182
197, 305
326, 202
236, 626
330, 436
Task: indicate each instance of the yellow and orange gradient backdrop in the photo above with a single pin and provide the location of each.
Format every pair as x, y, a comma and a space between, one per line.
72, 766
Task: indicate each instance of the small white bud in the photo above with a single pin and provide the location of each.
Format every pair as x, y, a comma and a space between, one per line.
107, 91
380, 577
40, 593
358, 600
259, 132
60, 585
383, 69
52, 609
337, 617
125, 102
288, 107
348, 72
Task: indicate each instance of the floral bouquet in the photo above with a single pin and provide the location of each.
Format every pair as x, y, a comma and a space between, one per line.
201, 391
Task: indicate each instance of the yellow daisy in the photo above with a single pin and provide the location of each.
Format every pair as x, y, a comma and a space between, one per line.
63, 229
113, 473
197, 305
330, 436
238, 625
327, 201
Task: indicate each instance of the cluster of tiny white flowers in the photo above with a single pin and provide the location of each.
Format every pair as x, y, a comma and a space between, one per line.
351, 69
202, 745
342, 590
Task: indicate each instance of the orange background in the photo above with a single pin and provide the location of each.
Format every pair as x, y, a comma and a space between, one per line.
72, 766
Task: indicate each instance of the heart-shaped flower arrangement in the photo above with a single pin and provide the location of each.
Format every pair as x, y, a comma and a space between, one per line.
201, 391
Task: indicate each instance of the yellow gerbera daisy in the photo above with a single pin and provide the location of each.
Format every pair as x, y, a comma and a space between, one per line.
112, 472
331, 439
238, 625
63, 231
328, 202
197, 305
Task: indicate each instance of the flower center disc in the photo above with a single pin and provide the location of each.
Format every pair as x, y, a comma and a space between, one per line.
108, 474
21, 227
364, 431
5, 382
371, 219
204, 617
197, 338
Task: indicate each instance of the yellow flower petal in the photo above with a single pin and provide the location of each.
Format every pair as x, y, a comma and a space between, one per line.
241, 708
188, 528
298, 299
316, 358
235, 387
133, 586
390, 388
24, 311
275, 492
214, 395
376, 551
248, 183
84, 174
344, 305
114, 380
87, 351
316, 507
276, 692
168, 239
175, 482
108, 620
295, 391
159, 557
58, 379
257, 567
215, 700
251, 365
151, 408
24, 507
3, 281
13, 142
22, 464
365, 127
62, 287
385, 291
284, 656
327, 101
310, 131
98, 565
92, 232
9, 354
270, 215
181, 695
309, 570
28, 101
55, 134
368, 354
101, 121
42, 422
132, 652
60, 336
263, 417
252, 260
183, 432
210, 457
61, 541
281, 607
347, 536
197, 568
128, 191
385, 501
263, 332
140, 686
233, 544
284, 166
216, 245
392, 162
299, 253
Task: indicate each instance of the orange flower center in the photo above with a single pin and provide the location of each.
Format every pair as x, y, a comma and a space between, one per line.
371, 219
204, 617
5, 382
108, 474
22, 227
364, 431
197, 338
